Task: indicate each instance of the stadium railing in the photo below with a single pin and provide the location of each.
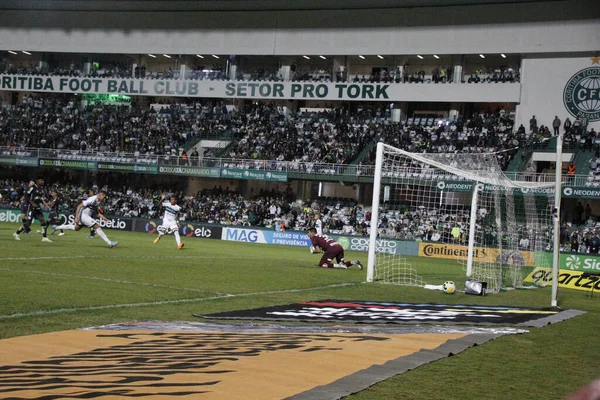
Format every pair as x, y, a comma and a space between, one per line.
307, 168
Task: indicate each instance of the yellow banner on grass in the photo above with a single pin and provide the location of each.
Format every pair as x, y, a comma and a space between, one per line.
566, 279
480, 254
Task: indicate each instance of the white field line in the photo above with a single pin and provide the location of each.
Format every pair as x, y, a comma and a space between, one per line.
95, 278
163, 302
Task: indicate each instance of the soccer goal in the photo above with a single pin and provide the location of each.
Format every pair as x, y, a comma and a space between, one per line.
457, 206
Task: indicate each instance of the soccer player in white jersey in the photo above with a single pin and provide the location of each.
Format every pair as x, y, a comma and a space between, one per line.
170, 223
318, 224
86, 214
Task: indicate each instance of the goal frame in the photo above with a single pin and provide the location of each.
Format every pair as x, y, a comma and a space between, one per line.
376, 200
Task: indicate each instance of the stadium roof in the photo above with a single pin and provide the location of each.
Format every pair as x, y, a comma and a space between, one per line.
236, 5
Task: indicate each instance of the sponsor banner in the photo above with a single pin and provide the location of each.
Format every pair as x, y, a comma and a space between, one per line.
190, 171
566, 279
10, 216
119, 167
186, 229
255, 175
22, 161
389, 246
395, 313
480, 254
73, 164
581, 192
567, 191
298, 239
244, 235
121, 224
580, 262
467, 186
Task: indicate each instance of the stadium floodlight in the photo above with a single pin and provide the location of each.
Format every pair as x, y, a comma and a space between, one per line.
380, 56
151, 55
323, 57
166, 55
25, 52
482, 56
361, 57
13, 52
420, 56
307, 57
436, 56
503, 55
215, 56
199, 56
479, 214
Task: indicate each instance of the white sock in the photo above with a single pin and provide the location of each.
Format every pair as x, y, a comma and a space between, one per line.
177, 238
69, 227
342, 266
160, 235
101, 233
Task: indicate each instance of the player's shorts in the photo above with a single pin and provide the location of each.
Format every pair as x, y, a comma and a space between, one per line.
334, 252
87, 220
53, 216
168, 227
35, 213
24, 207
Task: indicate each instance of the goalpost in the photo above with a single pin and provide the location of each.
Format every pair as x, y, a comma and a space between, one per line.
458, 206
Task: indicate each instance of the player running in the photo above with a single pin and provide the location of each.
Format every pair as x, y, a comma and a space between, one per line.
169, 222
85, 216
35, 197
24, 205
332, 250
85, 196
53, 217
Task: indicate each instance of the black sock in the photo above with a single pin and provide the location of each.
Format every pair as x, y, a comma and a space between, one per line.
45, 230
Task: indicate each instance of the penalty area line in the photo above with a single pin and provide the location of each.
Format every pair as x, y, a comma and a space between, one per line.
165, 302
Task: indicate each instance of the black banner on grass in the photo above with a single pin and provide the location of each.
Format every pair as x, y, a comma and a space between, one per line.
395, 313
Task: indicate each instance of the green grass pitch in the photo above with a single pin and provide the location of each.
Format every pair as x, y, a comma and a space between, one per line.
76, 282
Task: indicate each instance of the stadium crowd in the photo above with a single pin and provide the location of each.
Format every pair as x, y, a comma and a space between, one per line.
307, 140
52, 122
389, 75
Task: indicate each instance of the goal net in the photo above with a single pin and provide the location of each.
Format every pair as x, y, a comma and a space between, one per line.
460, 207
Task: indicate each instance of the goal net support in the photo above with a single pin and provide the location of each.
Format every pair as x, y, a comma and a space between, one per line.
458, 206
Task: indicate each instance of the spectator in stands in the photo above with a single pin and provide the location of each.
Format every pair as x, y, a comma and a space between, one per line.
567, 125
195, 157
533, 124
556, 125
571, 172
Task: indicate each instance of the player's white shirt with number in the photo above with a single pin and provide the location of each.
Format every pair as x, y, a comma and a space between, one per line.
170, 218
89, 205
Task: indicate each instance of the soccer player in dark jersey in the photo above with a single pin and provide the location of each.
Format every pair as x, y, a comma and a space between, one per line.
24, 205
332, 250
34, 211
53, 217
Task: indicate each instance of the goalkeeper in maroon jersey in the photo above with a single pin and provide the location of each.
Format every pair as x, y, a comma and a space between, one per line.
331, 250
